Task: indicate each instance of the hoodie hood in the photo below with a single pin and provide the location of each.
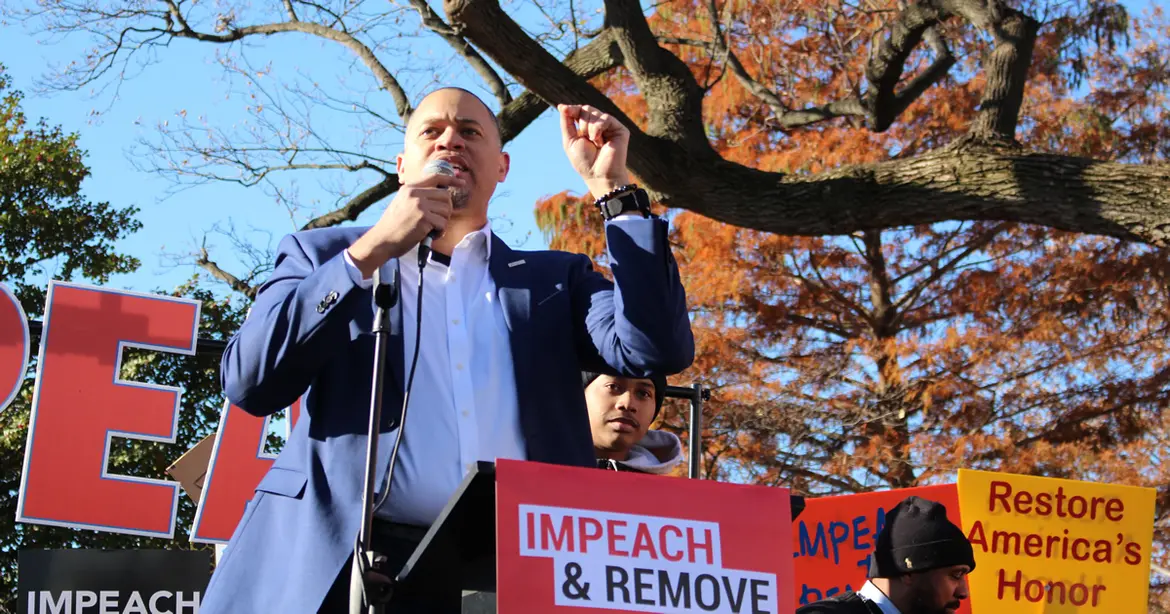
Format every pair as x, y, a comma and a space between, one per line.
658, 452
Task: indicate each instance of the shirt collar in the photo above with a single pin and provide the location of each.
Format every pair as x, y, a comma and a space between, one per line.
870, 592
483, 234
486, 234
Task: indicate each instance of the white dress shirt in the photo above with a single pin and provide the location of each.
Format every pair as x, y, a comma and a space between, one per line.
463, 404
870, 592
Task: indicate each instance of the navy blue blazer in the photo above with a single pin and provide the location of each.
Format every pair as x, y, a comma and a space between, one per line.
309, 333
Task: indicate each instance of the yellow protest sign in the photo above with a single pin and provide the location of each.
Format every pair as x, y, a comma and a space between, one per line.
1052, 546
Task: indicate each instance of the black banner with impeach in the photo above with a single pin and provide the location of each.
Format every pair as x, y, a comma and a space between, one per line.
112, 581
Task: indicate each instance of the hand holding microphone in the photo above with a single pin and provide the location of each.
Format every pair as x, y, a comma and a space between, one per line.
435, 168
419, 213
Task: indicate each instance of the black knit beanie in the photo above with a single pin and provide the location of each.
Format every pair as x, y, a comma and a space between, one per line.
918, 537
659, 381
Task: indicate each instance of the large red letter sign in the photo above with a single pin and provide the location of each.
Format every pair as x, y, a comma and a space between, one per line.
80, 403
13, 346
241, 462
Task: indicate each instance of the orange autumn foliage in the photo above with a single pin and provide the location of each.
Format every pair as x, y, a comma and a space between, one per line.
892, 358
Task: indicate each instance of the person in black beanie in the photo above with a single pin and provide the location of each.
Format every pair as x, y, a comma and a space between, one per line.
621, 410
919, 566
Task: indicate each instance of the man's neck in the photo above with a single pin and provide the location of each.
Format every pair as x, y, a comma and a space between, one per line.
612, 454
883, 584
456, 229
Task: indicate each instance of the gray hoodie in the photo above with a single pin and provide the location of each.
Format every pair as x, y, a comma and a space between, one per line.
658, 453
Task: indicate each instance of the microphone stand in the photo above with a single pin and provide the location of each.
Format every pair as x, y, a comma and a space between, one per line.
360, 587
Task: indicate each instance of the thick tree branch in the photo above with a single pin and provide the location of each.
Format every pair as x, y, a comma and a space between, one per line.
597, 57
436, 24
788, 120
967, 180
486, 25
1007, 74
673, 98
882, 102
650, 155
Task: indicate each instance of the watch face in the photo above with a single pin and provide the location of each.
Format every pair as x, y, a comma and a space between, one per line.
626, 202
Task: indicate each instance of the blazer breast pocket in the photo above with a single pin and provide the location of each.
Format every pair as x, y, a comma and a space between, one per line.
558, 291
283, 482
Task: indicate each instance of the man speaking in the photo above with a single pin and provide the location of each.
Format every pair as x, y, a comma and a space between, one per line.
504, 337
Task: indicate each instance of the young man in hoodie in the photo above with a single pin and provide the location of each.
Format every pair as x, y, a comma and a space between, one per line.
621, 410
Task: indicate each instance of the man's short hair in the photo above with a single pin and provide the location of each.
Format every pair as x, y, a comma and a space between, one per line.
491, 114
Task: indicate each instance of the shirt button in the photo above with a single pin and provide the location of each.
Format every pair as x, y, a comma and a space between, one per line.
455, 321
459, 366
465, 414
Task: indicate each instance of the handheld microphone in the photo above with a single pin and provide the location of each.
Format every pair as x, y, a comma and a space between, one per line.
434, 167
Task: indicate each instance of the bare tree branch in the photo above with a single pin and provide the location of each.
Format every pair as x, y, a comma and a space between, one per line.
288, 7
233, 34
784, 118
237, 284
356, 205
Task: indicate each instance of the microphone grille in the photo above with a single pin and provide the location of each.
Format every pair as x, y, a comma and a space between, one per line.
439, 167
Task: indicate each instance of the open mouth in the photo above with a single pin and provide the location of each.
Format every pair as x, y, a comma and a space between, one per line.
458, 164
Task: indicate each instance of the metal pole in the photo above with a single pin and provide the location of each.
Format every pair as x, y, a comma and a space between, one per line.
385, 297
694, 437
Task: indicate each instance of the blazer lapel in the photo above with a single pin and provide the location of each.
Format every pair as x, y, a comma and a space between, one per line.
512, 277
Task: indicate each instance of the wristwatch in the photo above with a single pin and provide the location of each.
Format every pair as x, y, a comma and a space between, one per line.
625, 199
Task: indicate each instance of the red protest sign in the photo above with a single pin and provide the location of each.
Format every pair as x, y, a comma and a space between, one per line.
834, 536
609, 541
80, 403
13, 346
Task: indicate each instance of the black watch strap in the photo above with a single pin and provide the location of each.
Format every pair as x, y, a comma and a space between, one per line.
626, 199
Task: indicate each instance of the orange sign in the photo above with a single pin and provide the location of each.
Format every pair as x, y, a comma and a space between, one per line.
834, 537
1054, 545
570, 538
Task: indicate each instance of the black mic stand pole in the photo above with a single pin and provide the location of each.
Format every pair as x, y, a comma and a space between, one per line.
362, 596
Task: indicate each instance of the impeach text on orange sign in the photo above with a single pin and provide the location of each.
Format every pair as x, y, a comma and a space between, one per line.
834, 536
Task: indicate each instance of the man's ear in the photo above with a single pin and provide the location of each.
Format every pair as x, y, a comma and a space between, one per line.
505, 165
398, 167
